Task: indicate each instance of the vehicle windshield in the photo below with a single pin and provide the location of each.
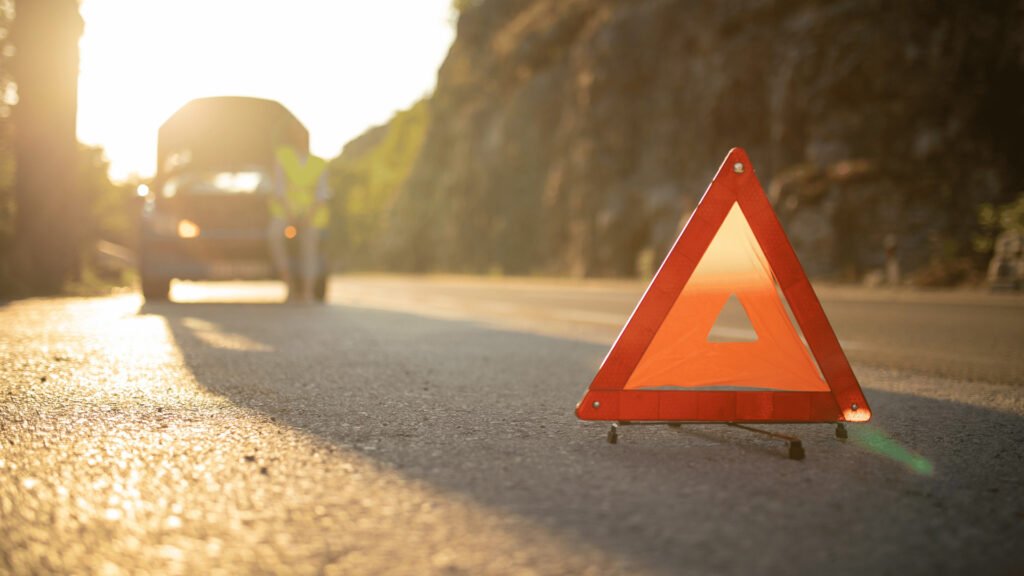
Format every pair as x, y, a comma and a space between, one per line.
241, 182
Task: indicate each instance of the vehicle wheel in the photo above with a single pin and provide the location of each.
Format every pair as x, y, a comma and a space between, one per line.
320, 289
156, 289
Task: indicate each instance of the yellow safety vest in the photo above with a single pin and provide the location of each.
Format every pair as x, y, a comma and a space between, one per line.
300, 187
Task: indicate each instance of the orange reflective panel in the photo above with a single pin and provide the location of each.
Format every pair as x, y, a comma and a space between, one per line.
680, 354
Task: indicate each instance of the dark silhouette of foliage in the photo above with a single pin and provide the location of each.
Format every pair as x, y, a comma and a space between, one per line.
45, 67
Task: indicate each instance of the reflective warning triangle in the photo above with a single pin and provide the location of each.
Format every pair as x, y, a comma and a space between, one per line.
668, 364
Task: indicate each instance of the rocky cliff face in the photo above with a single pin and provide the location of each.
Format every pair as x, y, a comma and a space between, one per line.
575, 136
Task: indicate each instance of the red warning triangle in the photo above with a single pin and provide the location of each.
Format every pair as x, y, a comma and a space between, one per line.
668, 364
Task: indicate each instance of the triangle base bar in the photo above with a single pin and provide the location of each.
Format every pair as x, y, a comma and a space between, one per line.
710, 406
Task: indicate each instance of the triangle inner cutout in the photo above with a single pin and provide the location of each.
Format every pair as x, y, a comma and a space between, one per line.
733, 324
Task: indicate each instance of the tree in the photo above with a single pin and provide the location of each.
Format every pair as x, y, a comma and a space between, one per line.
8, 97
45, 68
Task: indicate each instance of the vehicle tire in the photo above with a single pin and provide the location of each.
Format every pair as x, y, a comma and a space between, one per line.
156, 289
320, 288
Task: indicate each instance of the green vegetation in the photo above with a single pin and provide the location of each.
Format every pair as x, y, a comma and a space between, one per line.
460, 6
367, 179
110, 209
994, 220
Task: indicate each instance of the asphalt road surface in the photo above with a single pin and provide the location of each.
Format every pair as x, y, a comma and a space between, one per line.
425, 426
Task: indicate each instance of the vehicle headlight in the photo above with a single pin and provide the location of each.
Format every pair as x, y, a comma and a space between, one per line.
188, 229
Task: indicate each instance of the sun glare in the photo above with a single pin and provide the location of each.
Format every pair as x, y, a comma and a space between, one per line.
341, 67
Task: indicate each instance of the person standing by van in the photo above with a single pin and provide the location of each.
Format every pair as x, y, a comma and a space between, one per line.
298, 209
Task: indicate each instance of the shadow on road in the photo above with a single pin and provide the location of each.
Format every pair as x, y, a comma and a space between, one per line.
488, 414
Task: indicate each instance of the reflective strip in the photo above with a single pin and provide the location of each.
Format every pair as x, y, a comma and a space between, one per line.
321, 217
276, 208
301, 177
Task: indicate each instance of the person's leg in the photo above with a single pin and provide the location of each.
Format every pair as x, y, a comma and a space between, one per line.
309, 243
279, 252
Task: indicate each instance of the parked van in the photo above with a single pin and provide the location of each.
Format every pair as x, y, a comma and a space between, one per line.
205, 216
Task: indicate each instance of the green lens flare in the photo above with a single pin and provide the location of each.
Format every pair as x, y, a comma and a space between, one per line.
879, 443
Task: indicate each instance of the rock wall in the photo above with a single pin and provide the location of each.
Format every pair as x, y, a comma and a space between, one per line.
575, 136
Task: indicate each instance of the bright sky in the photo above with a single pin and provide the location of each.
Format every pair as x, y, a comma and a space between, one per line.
340, 66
